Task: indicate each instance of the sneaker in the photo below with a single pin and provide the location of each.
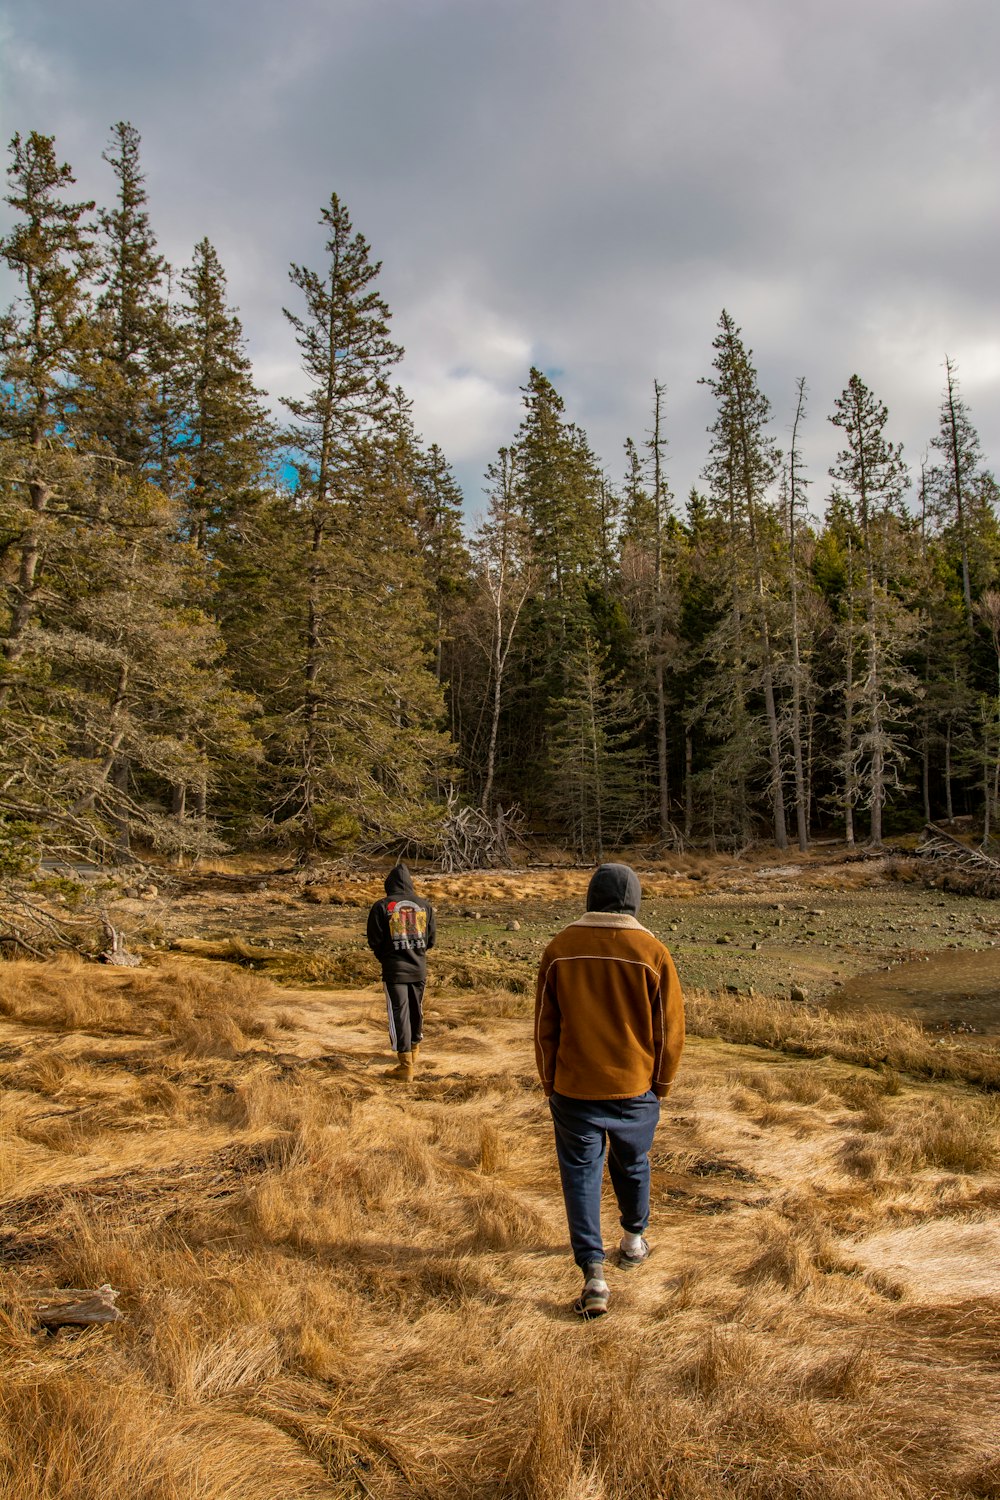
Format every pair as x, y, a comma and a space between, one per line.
593, 1300
629, 1259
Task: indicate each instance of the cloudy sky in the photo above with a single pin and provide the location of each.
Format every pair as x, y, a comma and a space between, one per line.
577, 184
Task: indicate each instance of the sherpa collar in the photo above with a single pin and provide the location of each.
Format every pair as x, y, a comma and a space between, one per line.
609, 919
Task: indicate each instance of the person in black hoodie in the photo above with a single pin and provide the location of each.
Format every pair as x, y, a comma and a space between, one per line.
400, 931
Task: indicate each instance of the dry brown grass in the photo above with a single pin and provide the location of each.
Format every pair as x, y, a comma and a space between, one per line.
333, 1289
872, 1039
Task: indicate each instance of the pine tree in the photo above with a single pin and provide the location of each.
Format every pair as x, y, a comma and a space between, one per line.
354, 709
597, 789
796, 484
874, 477
560, 497
126, 393
44, 479
226, 440
505, 577
117, 686
742, 465
952, 484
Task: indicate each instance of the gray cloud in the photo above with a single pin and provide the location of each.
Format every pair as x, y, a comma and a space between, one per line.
573, 184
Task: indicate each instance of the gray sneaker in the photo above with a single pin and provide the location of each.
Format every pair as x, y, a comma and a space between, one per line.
593, 1300
629, 1259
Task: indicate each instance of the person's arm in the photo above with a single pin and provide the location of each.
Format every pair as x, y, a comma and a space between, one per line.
546, 1026
376, 929
668, 1027
431, 927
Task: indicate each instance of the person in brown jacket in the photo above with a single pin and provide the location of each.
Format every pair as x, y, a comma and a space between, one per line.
609, 1029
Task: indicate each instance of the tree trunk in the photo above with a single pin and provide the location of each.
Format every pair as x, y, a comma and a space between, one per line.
688, 783
801, 805
23, 605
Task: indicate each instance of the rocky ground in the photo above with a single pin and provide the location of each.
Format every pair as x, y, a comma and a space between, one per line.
807, 930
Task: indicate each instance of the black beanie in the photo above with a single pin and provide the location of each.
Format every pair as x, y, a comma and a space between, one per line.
614, 888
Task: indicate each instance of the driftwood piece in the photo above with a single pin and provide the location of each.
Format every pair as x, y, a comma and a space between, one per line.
116, 952
75, 1307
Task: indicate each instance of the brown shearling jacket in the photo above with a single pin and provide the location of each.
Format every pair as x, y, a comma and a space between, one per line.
609, 1013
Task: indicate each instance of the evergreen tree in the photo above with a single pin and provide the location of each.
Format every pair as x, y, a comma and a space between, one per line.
115, 685
505, 576
126, 393
597, 789
44, 479
353, 705
794, 490
874, 477
560, 496
742, 465
226, 439
952, 485
442, 543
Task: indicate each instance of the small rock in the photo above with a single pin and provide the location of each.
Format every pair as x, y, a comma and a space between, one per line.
723, 939
514, 925
149, 892
756, 946
798, 994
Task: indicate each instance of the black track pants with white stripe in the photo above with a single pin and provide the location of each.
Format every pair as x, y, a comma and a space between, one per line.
405, 1006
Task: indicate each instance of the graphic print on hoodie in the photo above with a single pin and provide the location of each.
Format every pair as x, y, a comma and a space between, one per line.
401, 929
407, 925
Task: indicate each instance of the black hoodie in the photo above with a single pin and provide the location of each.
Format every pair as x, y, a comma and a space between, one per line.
401, 929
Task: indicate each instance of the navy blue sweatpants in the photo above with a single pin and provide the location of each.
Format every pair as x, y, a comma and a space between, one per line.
584, 1128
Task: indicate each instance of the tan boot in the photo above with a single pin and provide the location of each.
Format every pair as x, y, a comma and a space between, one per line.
416, 1052
403, 1071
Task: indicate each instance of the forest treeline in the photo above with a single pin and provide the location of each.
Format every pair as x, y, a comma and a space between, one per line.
225, 628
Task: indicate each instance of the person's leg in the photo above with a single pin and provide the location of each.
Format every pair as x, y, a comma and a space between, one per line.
397, 1000
580, 1150
631, 1126
416, 1007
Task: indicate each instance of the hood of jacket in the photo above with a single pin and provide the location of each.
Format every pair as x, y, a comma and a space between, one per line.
398, 882
614, 888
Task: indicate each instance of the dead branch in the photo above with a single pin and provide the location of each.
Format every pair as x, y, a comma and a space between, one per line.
474, 840
936, 844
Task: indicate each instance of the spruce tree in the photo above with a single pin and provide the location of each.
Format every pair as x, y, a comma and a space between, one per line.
505, 576
741, 468
597, 789
226, 440
42, 339
795, 493
127, 392
875, 478
354, 744
952, 484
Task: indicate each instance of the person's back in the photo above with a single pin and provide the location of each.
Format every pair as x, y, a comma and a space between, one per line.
603, 1013
401, 929
609, 1029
